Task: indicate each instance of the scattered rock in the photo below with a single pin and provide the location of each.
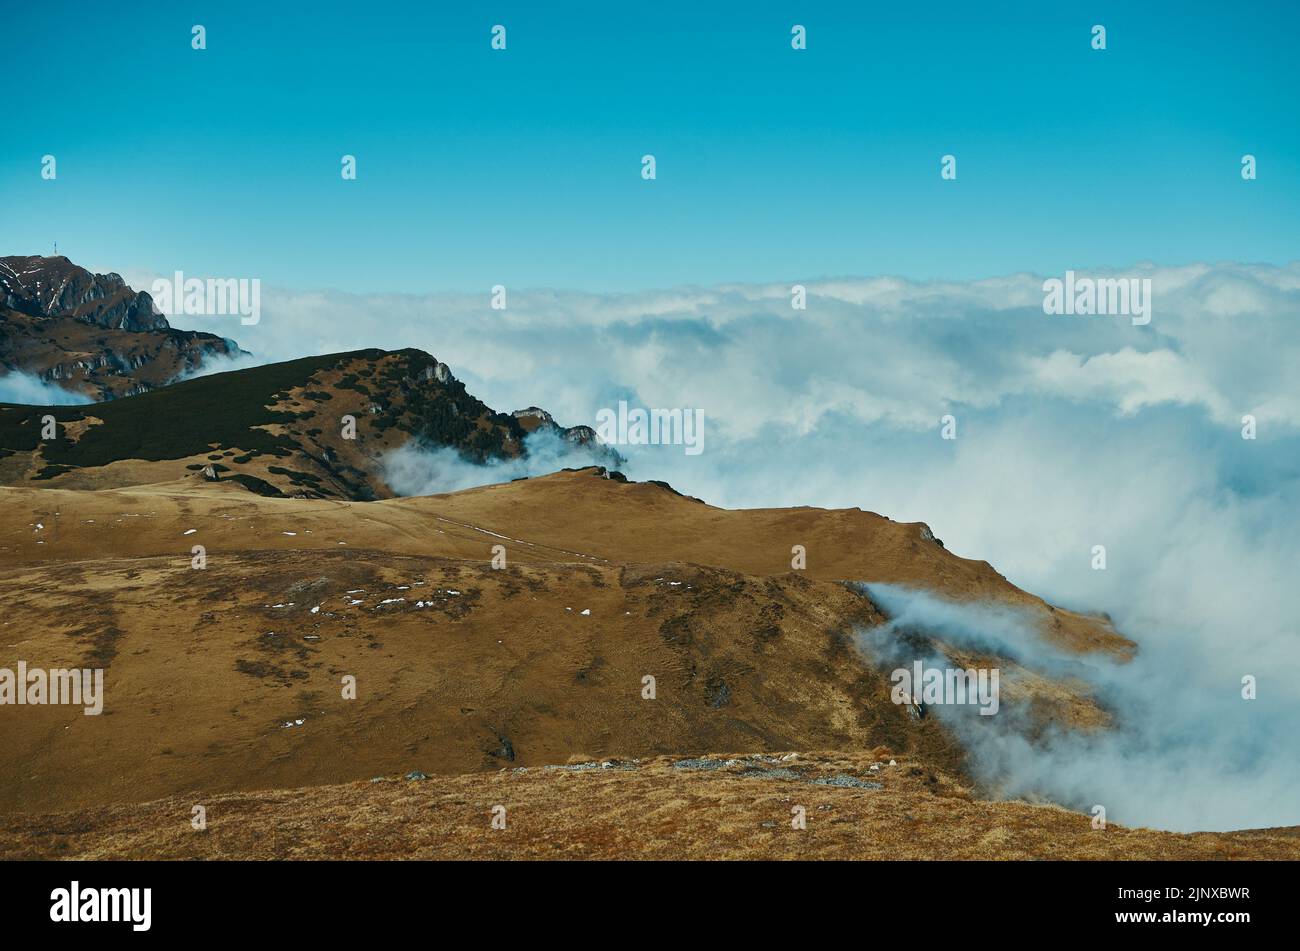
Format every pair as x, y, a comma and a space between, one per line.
779, 773
717, 693
599, 764
704, 763
845, 781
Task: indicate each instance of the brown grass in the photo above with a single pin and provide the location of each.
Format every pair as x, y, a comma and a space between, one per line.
654, 811
205, 667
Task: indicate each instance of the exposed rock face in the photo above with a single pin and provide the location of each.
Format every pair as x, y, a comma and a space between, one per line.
91, 333
534, 418
582, 435
55, 287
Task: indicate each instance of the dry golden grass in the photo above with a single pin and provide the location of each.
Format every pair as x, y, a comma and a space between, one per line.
654, 811
573, 517
463, 670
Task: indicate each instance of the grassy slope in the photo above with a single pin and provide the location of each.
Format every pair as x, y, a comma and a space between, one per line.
656, 810
204, 668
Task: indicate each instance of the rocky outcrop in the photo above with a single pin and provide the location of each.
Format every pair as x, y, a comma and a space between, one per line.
55, 287
91, 333
533, 419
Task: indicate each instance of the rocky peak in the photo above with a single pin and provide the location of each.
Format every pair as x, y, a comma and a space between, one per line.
536, 414
55, 287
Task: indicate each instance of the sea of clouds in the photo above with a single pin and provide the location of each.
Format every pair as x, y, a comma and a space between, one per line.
1071, 432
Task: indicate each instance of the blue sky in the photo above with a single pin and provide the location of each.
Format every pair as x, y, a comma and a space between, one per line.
522, 167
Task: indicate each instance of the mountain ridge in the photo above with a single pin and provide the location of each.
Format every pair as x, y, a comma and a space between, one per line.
311, 427
92, 334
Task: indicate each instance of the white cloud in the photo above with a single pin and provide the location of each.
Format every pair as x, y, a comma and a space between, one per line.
416, 469
1225, 337
1129, 380
16, 387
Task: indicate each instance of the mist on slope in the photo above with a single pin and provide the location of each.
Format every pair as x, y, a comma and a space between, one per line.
28, 389
1187, 752
418, 468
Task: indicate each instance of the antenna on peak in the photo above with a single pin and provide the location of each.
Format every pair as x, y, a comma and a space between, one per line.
56, 249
